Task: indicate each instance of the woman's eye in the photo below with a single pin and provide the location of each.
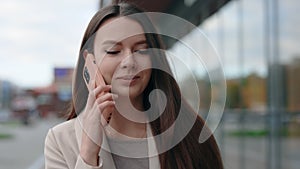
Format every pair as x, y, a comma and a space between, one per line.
142, 51
112, 52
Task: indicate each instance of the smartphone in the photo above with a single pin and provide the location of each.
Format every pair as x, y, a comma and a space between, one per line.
92, 72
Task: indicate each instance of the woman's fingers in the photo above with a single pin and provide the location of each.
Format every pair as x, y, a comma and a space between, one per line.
97, 92
103, 102
100, 90
106, 96
106, 108
106, 103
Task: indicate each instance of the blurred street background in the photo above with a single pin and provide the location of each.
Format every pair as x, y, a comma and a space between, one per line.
257, 42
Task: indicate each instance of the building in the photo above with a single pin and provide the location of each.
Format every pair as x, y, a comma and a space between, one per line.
293, 86
55, 98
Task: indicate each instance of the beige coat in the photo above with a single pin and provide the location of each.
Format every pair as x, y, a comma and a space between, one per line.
62, 149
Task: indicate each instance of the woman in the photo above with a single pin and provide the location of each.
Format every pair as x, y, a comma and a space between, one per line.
109, 124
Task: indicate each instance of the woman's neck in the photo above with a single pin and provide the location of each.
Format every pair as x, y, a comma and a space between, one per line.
129, 118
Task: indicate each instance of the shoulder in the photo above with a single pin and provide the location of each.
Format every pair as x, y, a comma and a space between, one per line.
63, 134
64, 127
61, 145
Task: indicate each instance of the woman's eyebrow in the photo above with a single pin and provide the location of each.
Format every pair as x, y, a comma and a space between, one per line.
111, 42
141, 42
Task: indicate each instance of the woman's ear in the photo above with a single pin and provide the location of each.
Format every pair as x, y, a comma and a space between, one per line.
85, 53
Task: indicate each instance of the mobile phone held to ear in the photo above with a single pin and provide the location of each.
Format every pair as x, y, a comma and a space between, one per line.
91, 72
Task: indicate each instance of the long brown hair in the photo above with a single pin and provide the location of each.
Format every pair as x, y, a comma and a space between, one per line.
188, 153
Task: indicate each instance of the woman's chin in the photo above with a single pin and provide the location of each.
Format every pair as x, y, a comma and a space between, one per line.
127, 91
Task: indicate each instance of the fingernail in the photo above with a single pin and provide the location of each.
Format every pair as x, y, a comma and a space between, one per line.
115, 96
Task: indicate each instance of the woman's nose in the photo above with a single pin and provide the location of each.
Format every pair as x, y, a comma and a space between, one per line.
129, 60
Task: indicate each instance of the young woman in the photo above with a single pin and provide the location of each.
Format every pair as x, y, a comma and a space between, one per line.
110, 123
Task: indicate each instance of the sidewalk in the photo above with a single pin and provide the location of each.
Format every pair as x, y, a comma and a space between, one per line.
25, 148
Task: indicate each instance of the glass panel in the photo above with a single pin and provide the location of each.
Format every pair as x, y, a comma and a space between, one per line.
289, 36
261, 124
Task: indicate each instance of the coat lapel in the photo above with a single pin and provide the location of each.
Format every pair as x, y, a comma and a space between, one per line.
104, 153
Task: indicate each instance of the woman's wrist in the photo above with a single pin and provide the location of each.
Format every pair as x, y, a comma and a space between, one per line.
90, 159
89, 151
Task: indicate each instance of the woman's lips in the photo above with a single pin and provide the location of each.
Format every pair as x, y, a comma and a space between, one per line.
128, 79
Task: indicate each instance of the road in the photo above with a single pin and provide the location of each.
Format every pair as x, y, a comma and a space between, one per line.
25, 149
253, 151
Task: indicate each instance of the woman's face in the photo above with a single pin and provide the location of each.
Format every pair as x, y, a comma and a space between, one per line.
121, 53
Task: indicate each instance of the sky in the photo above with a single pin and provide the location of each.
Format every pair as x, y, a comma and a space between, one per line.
36, 36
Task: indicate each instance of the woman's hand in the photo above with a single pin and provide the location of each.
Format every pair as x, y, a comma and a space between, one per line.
95, 116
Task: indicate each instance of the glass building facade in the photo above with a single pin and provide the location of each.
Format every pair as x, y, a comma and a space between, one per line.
258, 43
